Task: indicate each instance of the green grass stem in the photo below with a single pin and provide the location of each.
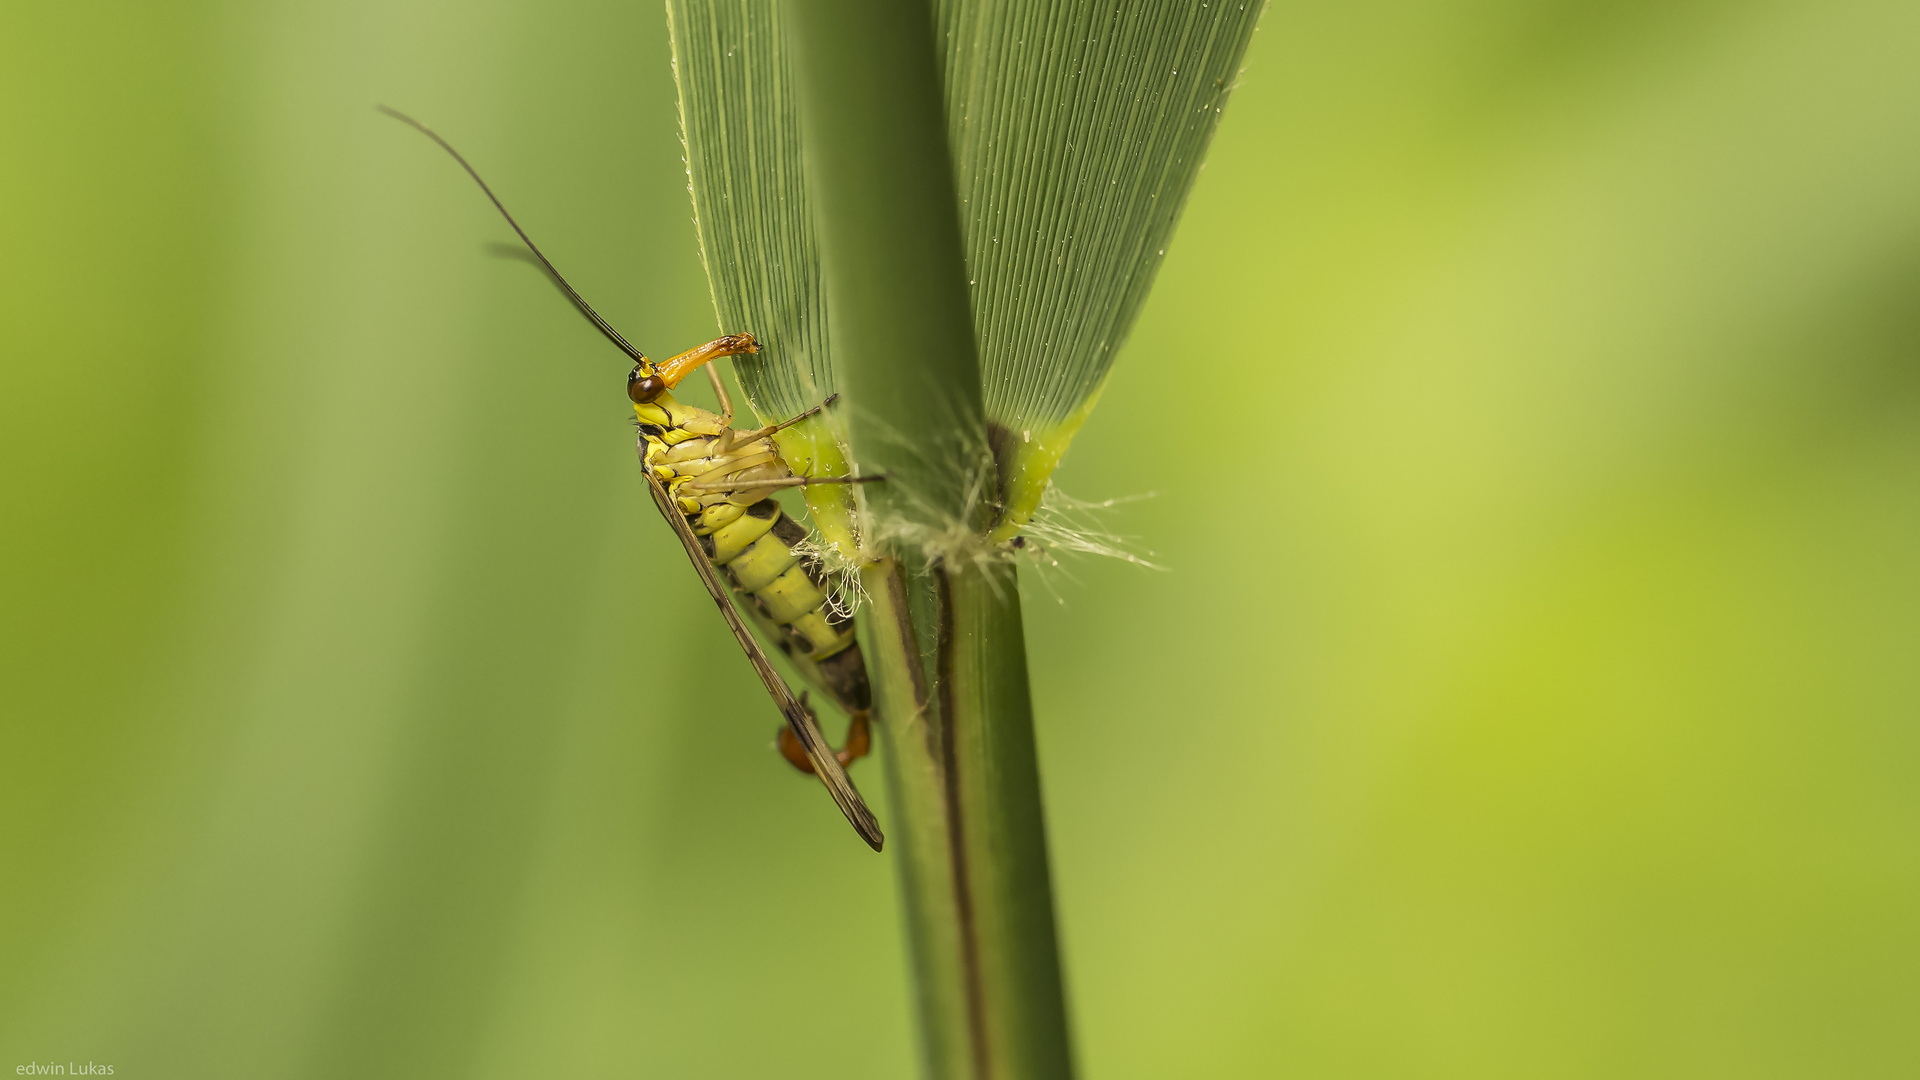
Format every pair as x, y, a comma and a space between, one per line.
943, 635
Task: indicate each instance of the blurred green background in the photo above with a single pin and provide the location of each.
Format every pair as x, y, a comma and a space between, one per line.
1532, 398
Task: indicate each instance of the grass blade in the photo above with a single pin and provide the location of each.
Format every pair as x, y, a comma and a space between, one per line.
1078, 130
745, 172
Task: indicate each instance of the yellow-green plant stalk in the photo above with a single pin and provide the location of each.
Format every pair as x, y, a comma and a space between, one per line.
949, 215
943, 637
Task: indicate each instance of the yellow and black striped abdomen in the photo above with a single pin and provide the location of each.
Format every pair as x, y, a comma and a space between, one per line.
758, 548
753, 542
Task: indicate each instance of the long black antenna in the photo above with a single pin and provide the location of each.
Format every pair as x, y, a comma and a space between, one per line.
578, 300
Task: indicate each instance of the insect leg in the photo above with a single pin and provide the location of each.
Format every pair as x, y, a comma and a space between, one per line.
859, 743
784, 481
748, 436
720, 472
726, 405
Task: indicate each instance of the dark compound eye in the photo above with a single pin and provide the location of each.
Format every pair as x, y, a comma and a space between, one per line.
642, 388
